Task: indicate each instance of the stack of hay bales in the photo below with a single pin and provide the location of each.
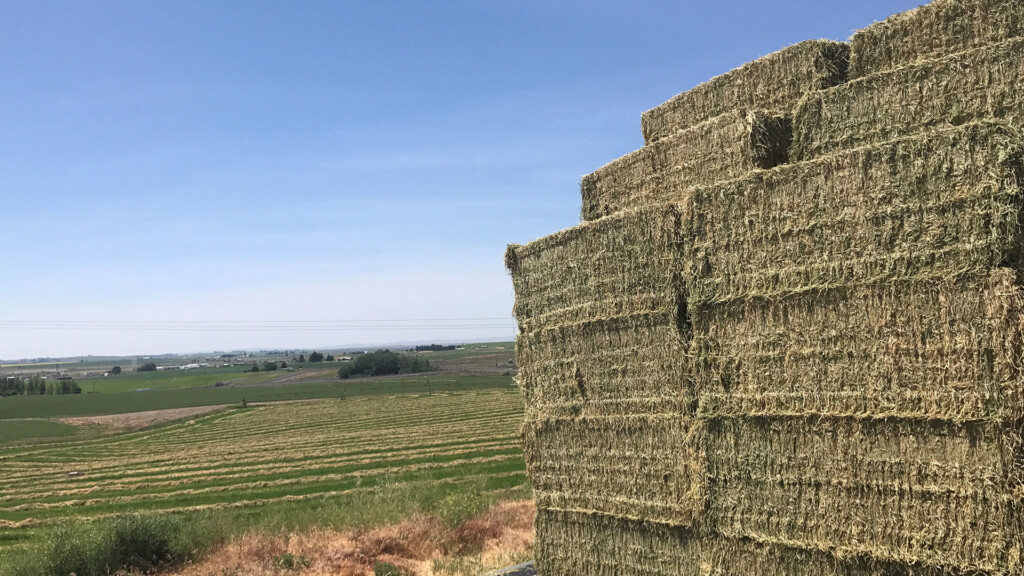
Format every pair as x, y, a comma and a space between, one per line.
794, 357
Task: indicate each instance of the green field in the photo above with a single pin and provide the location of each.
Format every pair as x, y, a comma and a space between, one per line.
278, 457
167, 379
89, 404
14, 430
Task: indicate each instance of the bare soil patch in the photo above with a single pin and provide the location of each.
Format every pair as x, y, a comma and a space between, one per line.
136, 420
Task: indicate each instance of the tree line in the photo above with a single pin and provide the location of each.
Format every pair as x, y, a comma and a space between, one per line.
435, 348
37, 386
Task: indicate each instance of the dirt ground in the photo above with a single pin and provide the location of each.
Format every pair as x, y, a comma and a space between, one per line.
136, 420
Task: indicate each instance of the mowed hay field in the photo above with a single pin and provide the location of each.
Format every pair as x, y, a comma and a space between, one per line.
282, 455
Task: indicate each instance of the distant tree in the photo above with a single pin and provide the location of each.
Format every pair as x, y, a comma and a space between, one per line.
284, 364
330, 358
302, 358
11, 386
35, 386
147, 367
383, 363
269, 366
68, 386
255, 368
434, 348
115, 370
316, 357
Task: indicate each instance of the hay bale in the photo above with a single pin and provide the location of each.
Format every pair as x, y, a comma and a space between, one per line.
938, 29
570, 543
961, 88
648, 467
722, 148
595, 545
916, 350
941, 205
774, 82
913, 492
608, 268
629, 365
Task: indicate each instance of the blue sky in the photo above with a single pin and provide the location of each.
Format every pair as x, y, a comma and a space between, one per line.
305, 161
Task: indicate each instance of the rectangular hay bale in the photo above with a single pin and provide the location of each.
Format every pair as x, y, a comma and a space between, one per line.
937, 29
636, 364
964, 87
773, 82
926, 491
612, 267
570, 543
939, 205
722, 148
646, 467
574, 544
922, 350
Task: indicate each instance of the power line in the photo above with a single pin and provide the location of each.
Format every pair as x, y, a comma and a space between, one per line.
262, 325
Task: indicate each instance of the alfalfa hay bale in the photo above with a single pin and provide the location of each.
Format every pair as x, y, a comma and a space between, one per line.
939, 205
646, 467
965, 87
608, 268
937, 29
911, 491
926, 349
635, 364
774, 82
722, 148
574, 544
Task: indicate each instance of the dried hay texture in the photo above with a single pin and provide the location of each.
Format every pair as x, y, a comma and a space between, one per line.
636, 364
828, 378
594, 545
614, 267
774, 82
725, 147
941, 205
938, 29
918, 350
979, 84
921, 492
648, 467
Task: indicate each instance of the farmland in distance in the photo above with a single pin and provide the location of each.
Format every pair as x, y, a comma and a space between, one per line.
300, 454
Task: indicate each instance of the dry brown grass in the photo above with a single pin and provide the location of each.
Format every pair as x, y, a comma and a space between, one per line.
422, 545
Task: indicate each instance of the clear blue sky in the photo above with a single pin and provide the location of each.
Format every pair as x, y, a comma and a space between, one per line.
295, 161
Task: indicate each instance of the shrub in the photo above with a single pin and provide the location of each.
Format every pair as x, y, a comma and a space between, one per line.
131, 542
458, 507
289, 561
387, 569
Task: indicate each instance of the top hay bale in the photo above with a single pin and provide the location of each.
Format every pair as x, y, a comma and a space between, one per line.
960, 88
774, 82
942, 205
935, 30
724, 147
